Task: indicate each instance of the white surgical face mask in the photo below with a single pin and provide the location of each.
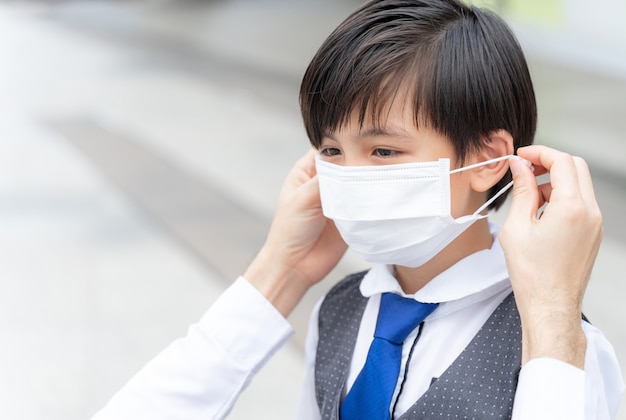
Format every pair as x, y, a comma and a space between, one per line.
395, 214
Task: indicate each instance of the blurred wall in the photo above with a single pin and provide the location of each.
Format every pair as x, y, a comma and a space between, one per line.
580, 33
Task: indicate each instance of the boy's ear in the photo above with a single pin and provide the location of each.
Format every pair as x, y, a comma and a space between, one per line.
498, 143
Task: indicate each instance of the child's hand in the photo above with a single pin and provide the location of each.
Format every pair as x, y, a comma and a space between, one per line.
302, 245
550, 259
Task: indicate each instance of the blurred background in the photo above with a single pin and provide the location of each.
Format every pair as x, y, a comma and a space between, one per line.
142, 147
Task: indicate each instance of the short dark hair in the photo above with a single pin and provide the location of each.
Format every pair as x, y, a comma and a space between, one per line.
467, 73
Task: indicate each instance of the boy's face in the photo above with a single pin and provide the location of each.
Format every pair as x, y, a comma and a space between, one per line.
397, 140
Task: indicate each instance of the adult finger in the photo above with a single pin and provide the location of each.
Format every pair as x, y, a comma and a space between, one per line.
306, 163
301, 172
309, 162
585, 182
525, 201
310, 191
545, 191
561, 166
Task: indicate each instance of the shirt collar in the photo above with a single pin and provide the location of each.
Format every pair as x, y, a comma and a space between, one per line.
481, 273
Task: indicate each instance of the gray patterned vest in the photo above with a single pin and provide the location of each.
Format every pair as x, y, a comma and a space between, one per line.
479, 384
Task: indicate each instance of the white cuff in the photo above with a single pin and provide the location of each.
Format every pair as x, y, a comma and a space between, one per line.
550, 389
255, 329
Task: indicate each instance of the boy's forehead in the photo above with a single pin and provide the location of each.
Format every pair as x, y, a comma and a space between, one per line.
396, 122
393, 116
368, 128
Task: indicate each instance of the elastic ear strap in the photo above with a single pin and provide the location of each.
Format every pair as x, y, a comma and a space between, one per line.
479, 164
494, 198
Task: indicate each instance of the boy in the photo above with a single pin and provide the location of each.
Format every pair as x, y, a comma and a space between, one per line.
396, 85
413, 107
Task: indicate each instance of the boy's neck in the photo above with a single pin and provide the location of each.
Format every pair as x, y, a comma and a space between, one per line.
476, 238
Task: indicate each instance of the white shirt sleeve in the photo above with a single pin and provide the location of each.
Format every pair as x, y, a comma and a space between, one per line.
551, 389
201, 375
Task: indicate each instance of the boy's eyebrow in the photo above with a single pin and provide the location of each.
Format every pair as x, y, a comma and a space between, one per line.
327, 135
376, 131
385, 132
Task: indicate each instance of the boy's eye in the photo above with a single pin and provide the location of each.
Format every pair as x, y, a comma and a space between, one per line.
385, 152
330, 151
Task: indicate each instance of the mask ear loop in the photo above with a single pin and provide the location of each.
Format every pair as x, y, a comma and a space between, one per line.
479, 164
494, 198
504, 189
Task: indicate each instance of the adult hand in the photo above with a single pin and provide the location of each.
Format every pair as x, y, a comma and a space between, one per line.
550, 257
302, 245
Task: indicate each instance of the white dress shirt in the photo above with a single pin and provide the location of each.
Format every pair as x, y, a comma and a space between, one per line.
201, 375
467, 294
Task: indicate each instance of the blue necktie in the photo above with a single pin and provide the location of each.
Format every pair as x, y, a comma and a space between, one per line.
370, 396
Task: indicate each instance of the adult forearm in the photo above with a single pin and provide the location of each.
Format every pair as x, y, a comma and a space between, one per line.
277, 282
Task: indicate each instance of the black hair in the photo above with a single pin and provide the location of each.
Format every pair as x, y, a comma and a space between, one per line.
467, 73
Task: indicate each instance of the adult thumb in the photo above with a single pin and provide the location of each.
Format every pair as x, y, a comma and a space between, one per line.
525, 196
